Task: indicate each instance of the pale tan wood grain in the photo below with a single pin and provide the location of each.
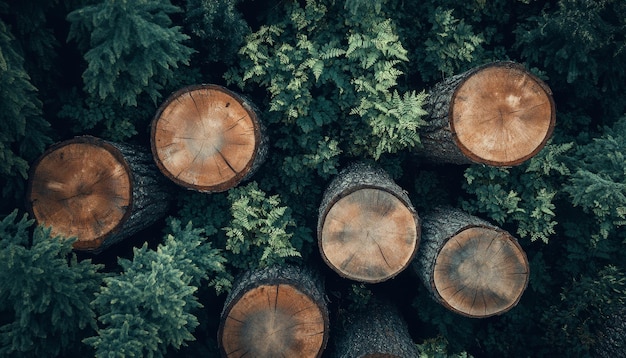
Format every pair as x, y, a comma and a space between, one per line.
81, 190
501, 115
480, 272
369, 235
205, 138
274, 321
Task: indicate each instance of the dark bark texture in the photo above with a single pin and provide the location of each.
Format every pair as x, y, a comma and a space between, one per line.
152, 193
378, 330
611, 340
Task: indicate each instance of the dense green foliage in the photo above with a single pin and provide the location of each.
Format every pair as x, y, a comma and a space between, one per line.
523, 196
23, 130
129, 47
131, 50
336, 81
45, 293
251, 229
217, 31
151, 304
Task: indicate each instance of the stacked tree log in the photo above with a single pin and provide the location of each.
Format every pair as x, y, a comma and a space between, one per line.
207, 138
498, 114
278, 311
470, 266
204, 137
97, 191
376, 330
367, 228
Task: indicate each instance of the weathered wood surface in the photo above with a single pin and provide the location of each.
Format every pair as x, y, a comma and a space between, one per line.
97, 191
469, 265
611, 340
367, 228
207, 138
378, 330
278, 311
498, 114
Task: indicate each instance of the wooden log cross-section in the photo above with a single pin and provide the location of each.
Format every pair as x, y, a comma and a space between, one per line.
277, 311
207, 138
498, 114
367, 229
97, 191
377, 330
470, 266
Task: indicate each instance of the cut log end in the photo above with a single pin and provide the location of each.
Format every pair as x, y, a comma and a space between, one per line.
369, 235
502, 115
481, 272
274, 321
81, 188
205, 138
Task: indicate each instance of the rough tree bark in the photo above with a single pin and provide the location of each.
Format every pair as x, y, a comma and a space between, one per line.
498, 114
97, 191
367, 228
379, 330
470, 266
207, 138
278, 311
611, 341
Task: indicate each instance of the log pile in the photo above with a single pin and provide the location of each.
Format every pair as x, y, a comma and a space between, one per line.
377, 330
209, 139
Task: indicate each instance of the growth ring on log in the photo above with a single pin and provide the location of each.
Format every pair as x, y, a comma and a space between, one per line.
501, 114
81, 188
277, 311
369, 235
206, 138
480, 272
367, 230
274, 318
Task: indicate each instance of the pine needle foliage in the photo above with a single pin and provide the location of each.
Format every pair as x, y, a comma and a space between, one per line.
580, 44
149, 306
598, 184
130, 47
217, 30
45, 293
85, 114
23, 130
576, 324
30, 25
104, 117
